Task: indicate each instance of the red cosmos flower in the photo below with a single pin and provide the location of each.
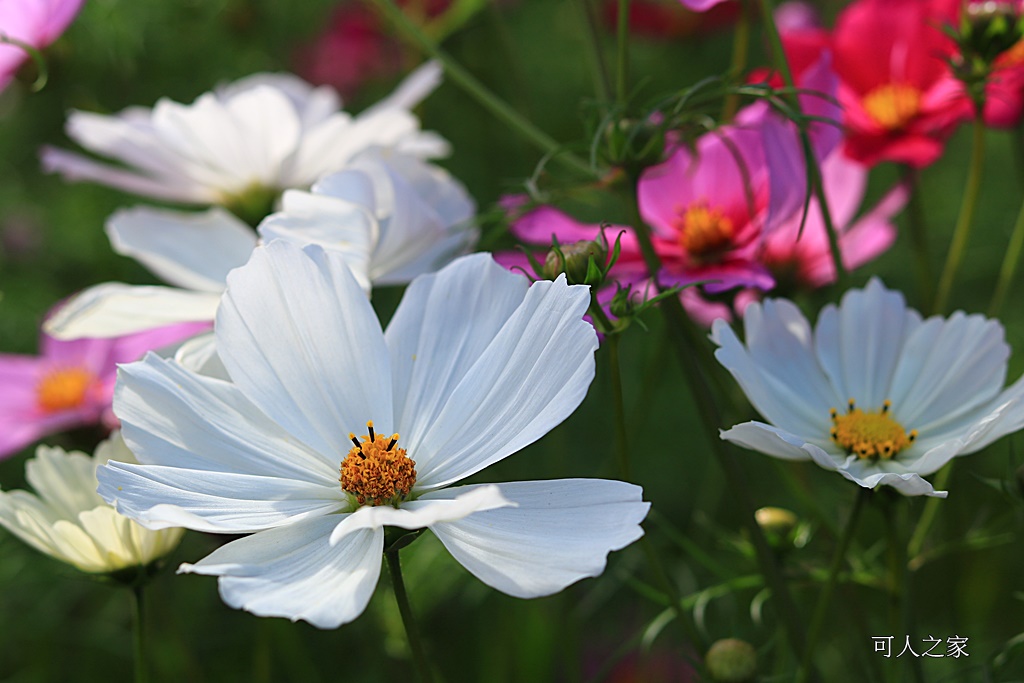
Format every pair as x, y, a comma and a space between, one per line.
900, 100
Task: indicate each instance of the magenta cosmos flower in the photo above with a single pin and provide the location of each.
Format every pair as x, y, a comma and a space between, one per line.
70, 383
33, 22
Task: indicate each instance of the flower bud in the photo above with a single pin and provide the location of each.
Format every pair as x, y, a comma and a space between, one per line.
989, 28
731, 660
574, 260
775, 520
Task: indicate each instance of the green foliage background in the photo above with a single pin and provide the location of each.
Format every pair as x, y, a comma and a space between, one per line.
60, 625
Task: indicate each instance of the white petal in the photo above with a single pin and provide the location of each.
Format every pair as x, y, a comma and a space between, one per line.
859, 344
769, 440
299, 337
477, 377
339, 226
947, 369
869, 476
450, 505
170, 416
190, 250
160, 497
560, 532
294, 572
64, 481
413, 89
114, 309
199, 354
776, 368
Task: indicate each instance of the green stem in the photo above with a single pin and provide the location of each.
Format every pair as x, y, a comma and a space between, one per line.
931, 508
813, 171
593, 41
703, 399
1009, 267
138, 632
962, 231
485, 97
740, 52
621, 437
622, 62
821, 608
919, 235
419, 656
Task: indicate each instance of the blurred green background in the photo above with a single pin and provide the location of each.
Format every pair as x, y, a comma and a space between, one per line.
59, 625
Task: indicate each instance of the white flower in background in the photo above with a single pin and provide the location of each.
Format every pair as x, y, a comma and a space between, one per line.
475, 365
243, 143
392, 217
420, 218
874, 392
68, 520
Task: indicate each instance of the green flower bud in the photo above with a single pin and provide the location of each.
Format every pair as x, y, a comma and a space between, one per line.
731, 660
574, 260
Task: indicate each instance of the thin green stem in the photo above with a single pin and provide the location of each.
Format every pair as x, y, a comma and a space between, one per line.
622, 60
1009, 267
419, 656
478, 91
931, 508
821, 608
918, 229
593, 42
814, 180
619, 406
139, 632
962, 231
740, 52
703, 399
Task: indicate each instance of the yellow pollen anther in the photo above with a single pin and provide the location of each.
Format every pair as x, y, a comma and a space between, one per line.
376, 472
893, 105
869, 435
64, 389
704, 232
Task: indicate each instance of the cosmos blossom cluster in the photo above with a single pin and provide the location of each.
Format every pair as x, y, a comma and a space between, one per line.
257, 393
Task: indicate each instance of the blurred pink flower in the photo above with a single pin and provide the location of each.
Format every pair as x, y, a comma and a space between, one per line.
901, 102
71, 383
805, 259
34, 22
358, 46
707, 208
672, 19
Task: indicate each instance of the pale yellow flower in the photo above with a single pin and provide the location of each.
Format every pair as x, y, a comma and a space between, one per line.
68, 520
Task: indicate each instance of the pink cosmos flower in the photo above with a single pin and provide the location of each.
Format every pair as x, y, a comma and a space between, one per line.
71, 383
707, 207
33, 22
804, 259
901, 102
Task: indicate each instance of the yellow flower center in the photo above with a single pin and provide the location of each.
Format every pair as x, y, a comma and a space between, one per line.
376, 472
64, 388
893, 105
870, 435
704, 232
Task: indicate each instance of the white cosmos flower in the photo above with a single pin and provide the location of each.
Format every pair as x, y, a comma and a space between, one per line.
68, 520
908, 394
475, 365
391, 216
267, 132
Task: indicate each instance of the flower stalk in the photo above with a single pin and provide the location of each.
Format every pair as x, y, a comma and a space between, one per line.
821, 608
478, 91
962, 231
702, 394
412, 633
1009, 267
139, 631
